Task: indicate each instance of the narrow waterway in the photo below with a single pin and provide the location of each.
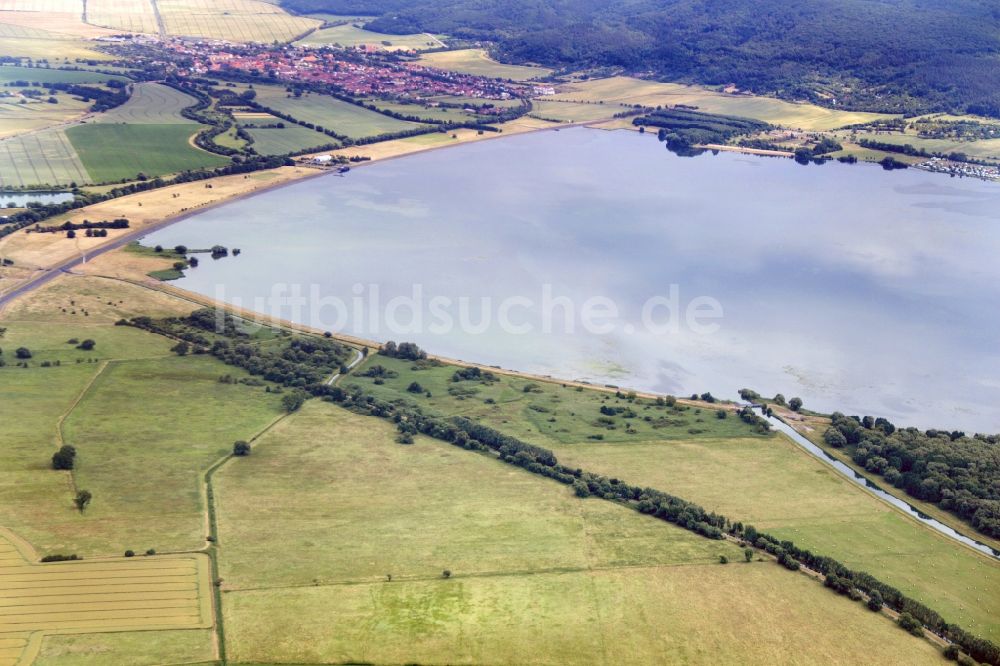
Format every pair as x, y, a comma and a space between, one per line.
874, 489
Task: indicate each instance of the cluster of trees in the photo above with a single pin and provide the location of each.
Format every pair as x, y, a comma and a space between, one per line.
909, 149
405, 350
949, 469
471, 435
683, 129
103, 99
892, 56
296, 361
474, 374
118, 223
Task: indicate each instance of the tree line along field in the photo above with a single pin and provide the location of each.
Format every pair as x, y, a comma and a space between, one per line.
764, 481
331, 113
536, 574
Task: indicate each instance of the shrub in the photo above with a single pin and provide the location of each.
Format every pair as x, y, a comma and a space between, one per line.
61, 558
446, 573
909, 623
86, 345
129, 553
151, 551
415, 387
723, 559
22, 353
64, 458
241, 448
874, 601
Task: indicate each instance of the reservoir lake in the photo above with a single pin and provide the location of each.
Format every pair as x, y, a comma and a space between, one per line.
856, 289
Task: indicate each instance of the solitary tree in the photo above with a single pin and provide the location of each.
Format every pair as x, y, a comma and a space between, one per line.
748, 554
292, 401
82, 499
86, 345
241, 448
723, 559
415, 387
22, 353
446, 573
795, 404
64, 457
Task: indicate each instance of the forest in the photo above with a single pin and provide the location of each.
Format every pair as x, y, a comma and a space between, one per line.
898, 56
957, 472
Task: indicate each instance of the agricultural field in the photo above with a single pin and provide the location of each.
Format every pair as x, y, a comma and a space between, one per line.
982, 149
235, 20
620, 89
112, 152
562, 577
162, 592
573, 112
53, 36
146, 423
151, 104
123, 15
475, 101
36, 114
478, 62
11, 73
325, 111
424, 112
352, 34
288, 139
44, 157
128, 648
777, 488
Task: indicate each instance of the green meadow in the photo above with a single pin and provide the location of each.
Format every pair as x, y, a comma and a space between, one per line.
536, 574
111, 152
719, 463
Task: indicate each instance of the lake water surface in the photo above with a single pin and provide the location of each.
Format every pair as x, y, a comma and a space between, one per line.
859, 290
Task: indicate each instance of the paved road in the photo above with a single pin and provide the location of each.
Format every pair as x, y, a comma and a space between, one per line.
46, 274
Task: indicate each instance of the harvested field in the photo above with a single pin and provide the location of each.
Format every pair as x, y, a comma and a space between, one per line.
43, 158
161, 592
350, 34
478, 62
235, 20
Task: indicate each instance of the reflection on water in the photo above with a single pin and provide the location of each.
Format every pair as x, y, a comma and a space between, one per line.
857, 289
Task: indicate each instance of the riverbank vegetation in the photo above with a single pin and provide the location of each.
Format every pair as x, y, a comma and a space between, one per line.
957, 472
